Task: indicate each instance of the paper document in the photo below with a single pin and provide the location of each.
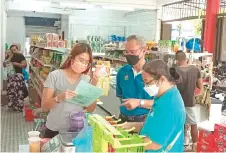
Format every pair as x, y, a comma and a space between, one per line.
86, 94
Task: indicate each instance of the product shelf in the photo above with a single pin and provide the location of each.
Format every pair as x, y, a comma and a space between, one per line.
116, 49
60, 50
39, 56
38, 76
98, 54
115, 59
41, 62
195, 55
36, 87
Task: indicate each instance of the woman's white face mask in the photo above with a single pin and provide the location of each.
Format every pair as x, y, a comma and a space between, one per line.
152, 90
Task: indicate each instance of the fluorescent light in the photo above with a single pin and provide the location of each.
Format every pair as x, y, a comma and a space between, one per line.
32, 2
118, 8
77, 5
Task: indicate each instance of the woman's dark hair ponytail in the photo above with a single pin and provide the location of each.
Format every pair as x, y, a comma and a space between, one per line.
158, 68
175, 77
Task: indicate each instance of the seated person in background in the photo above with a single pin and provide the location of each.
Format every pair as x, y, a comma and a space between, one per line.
16, 88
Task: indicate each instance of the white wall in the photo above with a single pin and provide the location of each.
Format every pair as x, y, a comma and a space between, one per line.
64, 26
33, 14
96, 22
16, 30
2, 36
142, 23
107, 22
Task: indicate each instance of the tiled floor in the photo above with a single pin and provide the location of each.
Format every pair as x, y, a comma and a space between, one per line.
14, 129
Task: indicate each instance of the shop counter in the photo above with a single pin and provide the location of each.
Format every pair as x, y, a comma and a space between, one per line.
111, 103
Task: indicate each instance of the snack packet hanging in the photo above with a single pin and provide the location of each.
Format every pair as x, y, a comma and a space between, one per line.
103, 73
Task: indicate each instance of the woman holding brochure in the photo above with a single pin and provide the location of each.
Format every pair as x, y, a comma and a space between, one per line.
164, 125
60, 86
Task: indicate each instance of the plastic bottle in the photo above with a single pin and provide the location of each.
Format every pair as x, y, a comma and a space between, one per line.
76, 121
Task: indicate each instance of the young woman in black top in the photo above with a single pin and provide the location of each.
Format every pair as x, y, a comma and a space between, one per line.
16, 88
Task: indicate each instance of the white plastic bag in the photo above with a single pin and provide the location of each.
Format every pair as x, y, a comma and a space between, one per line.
4, 73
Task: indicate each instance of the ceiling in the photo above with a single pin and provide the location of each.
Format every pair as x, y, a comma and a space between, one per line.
67, 6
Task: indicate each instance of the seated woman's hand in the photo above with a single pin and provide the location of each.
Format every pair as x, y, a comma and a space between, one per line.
66, 95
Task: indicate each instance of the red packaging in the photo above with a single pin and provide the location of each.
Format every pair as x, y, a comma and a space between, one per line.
201, 147
61, 43
220, 145
55, 44
28, 113
49, 44
220, 131
206, 137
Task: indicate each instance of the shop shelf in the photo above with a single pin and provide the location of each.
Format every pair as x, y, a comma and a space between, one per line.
41, 62
37, 75
60, 50
35, 86
115, 59
98, 54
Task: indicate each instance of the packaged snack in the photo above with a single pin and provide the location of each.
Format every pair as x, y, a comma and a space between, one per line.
103, 73
61, 44
55, 37
49, 44
55, 43
49, 37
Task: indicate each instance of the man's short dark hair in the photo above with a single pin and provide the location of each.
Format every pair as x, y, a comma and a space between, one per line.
180, 56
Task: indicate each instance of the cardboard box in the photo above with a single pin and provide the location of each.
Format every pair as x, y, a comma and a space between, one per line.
220, 131
206, 137
201, 147
220, 145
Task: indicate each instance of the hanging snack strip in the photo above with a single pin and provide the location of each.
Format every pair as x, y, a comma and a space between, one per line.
104, 76
108, 138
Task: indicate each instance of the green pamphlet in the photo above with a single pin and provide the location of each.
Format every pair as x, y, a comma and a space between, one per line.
86, 94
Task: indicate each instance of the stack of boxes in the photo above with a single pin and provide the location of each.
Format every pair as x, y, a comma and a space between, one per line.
212, 141
220, 137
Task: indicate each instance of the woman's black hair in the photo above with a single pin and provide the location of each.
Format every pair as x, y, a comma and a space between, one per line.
14, 46
158, 68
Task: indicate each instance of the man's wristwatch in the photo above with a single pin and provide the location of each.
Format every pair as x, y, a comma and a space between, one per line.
57, 99
141, 102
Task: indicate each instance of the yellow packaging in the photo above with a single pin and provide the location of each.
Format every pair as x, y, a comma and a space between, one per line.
103, 71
